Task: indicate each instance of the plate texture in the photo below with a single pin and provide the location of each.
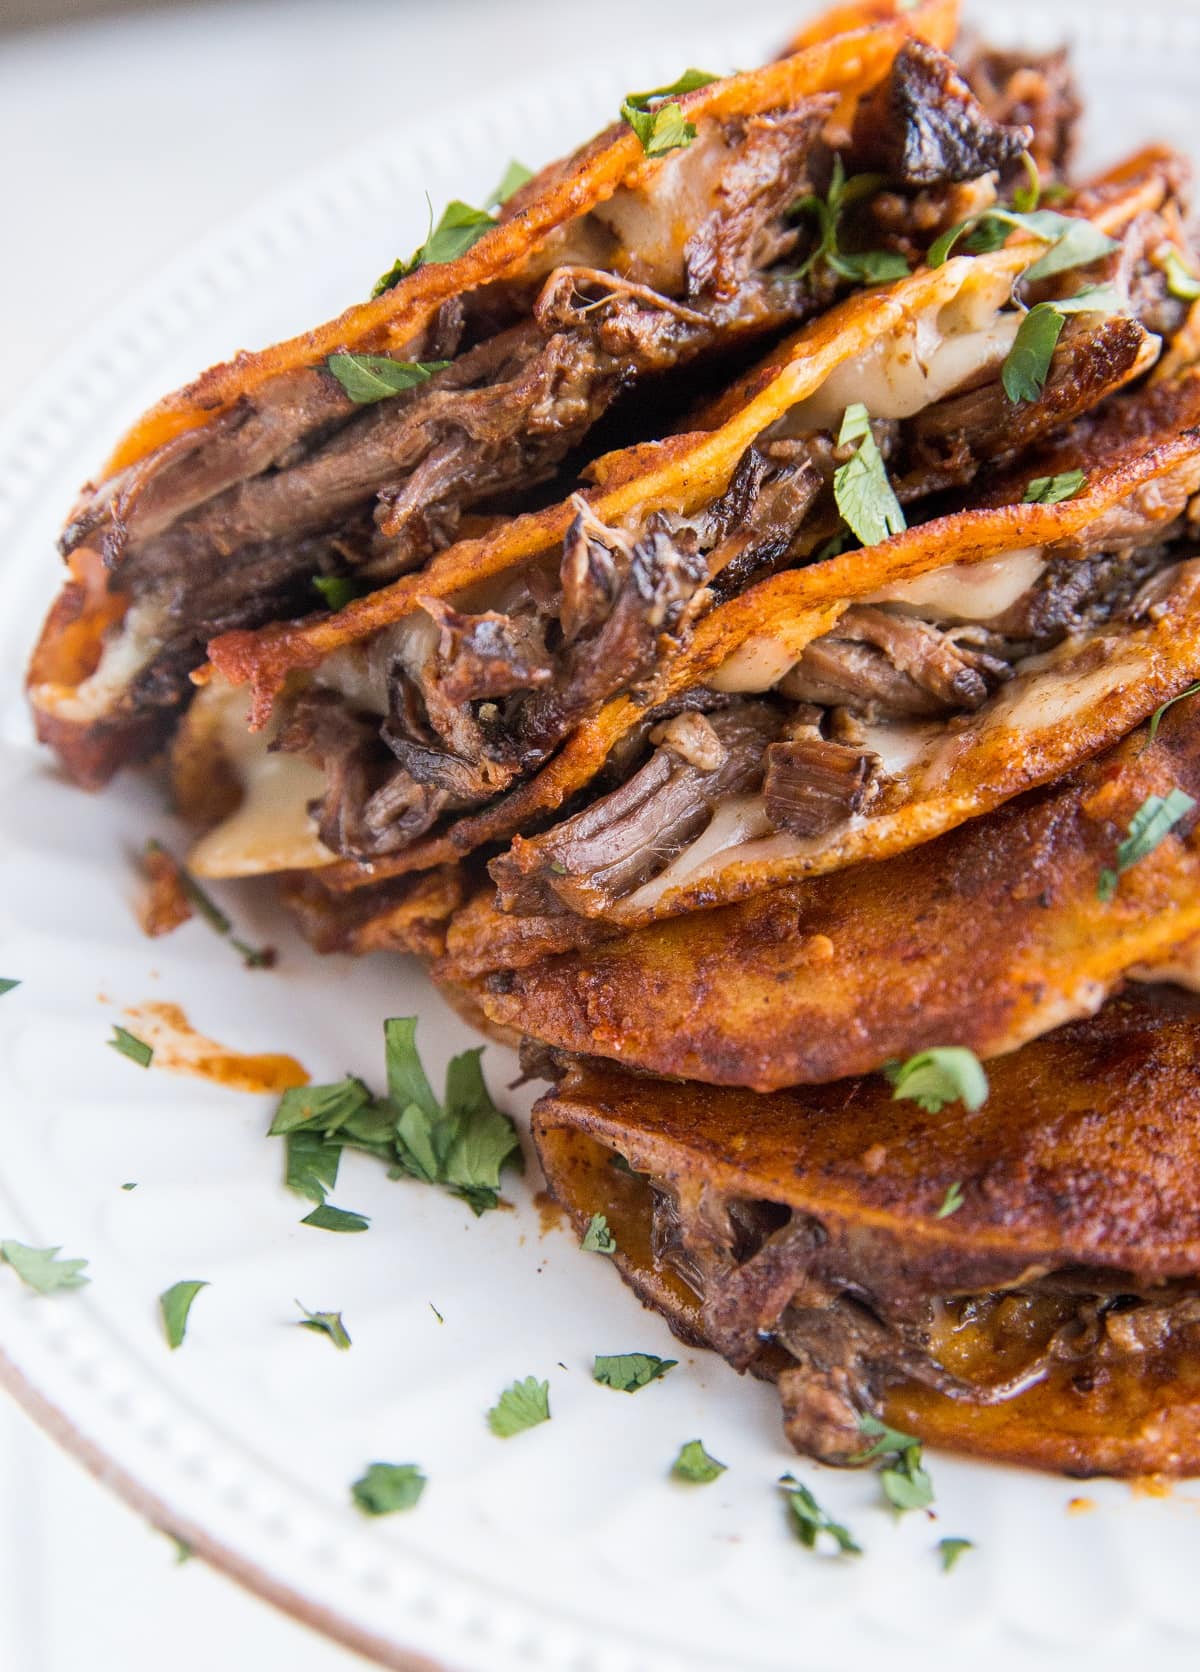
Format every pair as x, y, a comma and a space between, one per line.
566, 1547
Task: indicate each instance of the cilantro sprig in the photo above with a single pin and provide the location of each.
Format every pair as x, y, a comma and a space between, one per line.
598, 1239
861, 490
460, 1143
943, 1074
1151, 824
325, 1323
1027, 365
1073, 241
859, 266
7, 984
657, 119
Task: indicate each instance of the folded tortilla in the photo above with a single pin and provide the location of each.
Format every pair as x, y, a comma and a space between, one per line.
1050, 1319
222, 504
987, 938
515, 667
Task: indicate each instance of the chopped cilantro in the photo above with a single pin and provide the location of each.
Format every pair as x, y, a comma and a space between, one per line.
694, 1464
906, 1483
459, 229
461, 1143
1051, 490
325, 1323
598, 1239
376, 377
338, 590
1074, 242
328, 1218
385, 1488
436, 1313
860, 486
132, 1186
861, 267
7, 985
1154, 820
175, 1303
521, 1406
1026, 197
41, 1268
627, 1372
809, 1520
655, 117
514, 177
951, 1201
1027, 365
950, 1549
131, 1046
943, 1074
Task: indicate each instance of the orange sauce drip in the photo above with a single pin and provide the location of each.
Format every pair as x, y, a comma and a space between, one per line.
179, 1048
551, 1216
1080, 1506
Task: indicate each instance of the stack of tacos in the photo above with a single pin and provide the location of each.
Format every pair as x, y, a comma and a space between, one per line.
763, 571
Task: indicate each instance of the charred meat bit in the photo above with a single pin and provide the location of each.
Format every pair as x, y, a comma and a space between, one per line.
627, 837
925, 126
812, 785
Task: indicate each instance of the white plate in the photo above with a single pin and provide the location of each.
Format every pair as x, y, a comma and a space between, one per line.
566, 1547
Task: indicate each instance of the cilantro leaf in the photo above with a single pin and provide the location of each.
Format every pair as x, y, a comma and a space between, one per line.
950, 1549
627, 1372
809, 1520
376, 377
1051, 490
132, 1186
521, 1406
1074, 242
7, 985
41, 1268
337, 590
861, 488
325, 1323
906, 1483
175, 1303
1027, 366
131, 1046
311, 1165
1181, 281
385, 1488
1156, 717
325, 1217
951, 1201
943, 1074
459, 229
323, 1109
254, 957
1152, 823
1025, 198
688, 82
655, 117
598, 1239
694, 1464
514, 177
869, 266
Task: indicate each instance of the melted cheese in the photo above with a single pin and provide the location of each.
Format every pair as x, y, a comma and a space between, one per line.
271, 828
938, 351
760, 663
968, 591
132, 647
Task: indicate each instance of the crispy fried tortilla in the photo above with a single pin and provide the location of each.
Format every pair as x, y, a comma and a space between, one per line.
1052, 1319
221, 505
482, 705
987, 938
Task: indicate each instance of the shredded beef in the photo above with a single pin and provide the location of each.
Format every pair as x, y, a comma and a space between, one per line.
1031, 90
811, 785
